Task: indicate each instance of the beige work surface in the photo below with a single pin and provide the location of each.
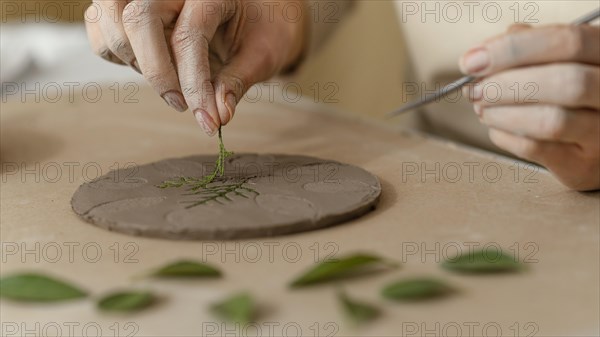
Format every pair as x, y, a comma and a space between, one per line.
421, 219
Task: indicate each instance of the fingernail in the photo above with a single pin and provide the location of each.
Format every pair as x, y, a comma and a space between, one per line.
175, 100
230, 103
206, 122
476, 60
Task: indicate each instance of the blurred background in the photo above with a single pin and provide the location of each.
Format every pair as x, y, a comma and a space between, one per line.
46, 40
361, 69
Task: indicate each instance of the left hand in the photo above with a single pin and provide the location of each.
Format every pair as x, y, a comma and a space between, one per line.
539, 94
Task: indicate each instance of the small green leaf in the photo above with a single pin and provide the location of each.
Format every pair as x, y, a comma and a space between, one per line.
358, 312
186, 268
126, 301
416, 289
490, 260
37, 288
236, 309
339, 268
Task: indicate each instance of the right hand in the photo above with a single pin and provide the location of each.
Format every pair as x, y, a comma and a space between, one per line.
201, 54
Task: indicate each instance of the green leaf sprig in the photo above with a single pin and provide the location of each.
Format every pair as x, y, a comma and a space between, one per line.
359, 312
127, 301
188, 269
200, 186
416, 289
334, 269
32, 287
239, 308
200, 183
483, 261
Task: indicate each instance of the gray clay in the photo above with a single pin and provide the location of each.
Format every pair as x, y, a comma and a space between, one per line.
285, 194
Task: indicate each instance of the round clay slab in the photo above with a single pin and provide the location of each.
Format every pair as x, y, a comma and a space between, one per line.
259, 195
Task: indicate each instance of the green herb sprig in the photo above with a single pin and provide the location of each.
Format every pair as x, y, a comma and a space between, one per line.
216, 193
196, 184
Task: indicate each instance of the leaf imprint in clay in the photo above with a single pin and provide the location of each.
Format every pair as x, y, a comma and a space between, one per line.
256, 195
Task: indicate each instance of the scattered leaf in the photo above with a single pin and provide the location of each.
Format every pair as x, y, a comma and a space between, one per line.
338, 268
416, 289
239, 308
127, 301
186, 268
483, 261
359, 312
37, 288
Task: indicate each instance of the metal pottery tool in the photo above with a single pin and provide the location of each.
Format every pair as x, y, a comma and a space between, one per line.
468, 79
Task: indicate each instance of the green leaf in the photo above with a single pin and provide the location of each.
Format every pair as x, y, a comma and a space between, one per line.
126, 301
239, 308
359, 312
186, 268
489, 260
339, 268
37, 288
416, 289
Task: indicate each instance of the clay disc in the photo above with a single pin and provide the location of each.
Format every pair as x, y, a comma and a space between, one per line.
259, 195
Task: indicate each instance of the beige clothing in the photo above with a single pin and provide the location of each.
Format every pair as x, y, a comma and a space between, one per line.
436, 33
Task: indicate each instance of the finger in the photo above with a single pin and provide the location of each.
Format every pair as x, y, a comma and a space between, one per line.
96, 38
192, 34
565, 84
511, 29
249, 67
517, 27
567, 162
111, 26
546, 122
528, 148
143, 22
557, 43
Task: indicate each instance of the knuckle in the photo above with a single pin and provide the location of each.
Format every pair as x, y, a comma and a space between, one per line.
573, 41
512, 42
157, 78
90, 14
233, 82
268, 59
519, 146
135, 13
130, 12
555, 123
203, 88
107, 55
103, 51
528, 148
152, 76
185, 37
575, 83
120, 46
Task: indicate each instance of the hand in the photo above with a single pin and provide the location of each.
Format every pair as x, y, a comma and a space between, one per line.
539, 94
201, 54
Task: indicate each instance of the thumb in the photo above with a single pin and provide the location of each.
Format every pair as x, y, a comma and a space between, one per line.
245, 69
